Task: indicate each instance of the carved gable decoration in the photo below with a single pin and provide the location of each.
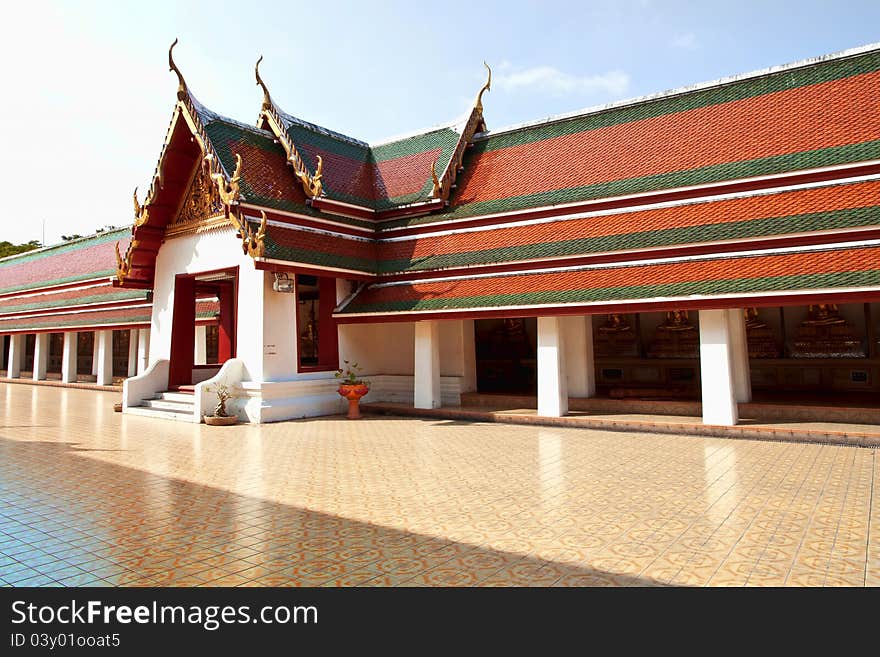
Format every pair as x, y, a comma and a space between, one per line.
202, 201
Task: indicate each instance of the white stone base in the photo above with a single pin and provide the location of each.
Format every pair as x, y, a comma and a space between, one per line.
287, 400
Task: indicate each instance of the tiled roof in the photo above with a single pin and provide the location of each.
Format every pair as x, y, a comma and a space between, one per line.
818, 115
377, 177
116, 317
65, 297
77, 260
683, 279
136, 314
320, 249
805, 210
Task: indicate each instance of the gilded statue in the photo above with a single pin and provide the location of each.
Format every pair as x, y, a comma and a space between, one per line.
824, 314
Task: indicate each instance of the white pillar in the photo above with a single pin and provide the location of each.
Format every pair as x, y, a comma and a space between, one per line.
552, 385
200, 355
143, 350
579, 365
132, 352
716, 368
16, 346
95, 335
427, 365
739, 352
104, 350
469, 356
41, 356
68, 357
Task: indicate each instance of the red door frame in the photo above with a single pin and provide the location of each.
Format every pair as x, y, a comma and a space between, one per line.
183, 322
183, 335
328, 337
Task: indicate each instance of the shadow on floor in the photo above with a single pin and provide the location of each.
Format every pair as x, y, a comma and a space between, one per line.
76, 521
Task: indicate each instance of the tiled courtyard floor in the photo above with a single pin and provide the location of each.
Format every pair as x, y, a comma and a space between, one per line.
91, 497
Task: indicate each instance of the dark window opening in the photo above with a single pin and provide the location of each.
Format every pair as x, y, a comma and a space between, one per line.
316, 329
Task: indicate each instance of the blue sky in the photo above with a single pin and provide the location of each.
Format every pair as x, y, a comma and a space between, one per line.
88, 95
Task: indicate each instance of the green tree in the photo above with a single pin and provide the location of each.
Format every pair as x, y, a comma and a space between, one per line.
8, 248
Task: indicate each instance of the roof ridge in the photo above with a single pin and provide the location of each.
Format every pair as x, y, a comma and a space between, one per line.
418, 133
678, 91
207, 115
320, 129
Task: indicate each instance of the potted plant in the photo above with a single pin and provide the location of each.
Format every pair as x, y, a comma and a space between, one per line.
221, 418
352, 387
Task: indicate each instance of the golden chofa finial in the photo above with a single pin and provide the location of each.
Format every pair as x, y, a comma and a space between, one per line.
436, 189
181, 83
486, 87
267, 100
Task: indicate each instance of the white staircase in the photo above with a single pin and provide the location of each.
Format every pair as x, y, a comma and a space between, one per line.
179, 406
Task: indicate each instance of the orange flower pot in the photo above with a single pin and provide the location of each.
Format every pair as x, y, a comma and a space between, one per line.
353, 394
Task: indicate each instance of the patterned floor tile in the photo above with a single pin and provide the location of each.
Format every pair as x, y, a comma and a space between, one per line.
333, 503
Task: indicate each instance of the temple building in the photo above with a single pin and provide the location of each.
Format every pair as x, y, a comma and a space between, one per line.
716, 243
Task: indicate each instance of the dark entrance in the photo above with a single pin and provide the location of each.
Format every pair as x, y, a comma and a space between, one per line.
188, 289
85, 345
27, 367
56, 352
506, 352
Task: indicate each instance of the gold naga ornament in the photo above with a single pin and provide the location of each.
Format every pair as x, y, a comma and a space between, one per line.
123, 262
442, 185
252, 243
181, 83
312, 185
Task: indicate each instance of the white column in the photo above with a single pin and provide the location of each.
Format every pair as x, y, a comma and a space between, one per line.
132, 352
16, 346
579, 365
104, 350
739, 352
716, 368
200, 355
552, 384
143, 350
41, 356
469, 356
95, 335
68, 357
427, 365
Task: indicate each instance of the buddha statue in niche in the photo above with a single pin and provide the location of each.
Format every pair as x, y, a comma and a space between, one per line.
675, 337
616, 337
761, 339
826, 334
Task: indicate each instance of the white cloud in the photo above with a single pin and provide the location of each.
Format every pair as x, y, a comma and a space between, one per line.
686, 41
550, 79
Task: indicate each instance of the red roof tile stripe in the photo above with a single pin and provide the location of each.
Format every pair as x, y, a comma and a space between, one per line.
405, 175
115, 316
795, 202
320, 249
345, 178
488, 291
103, 293
92, 257
823, 115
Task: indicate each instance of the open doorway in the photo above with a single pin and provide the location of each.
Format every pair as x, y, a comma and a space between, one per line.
202, 296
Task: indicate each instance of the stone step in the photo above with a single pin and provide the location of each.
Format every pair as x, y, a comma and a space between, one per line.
180, 397
170, 405
165, 414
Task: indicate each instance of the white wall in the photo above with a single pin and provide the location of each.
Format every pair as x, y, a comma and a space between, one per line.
189, 254
390, 349
379, 348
